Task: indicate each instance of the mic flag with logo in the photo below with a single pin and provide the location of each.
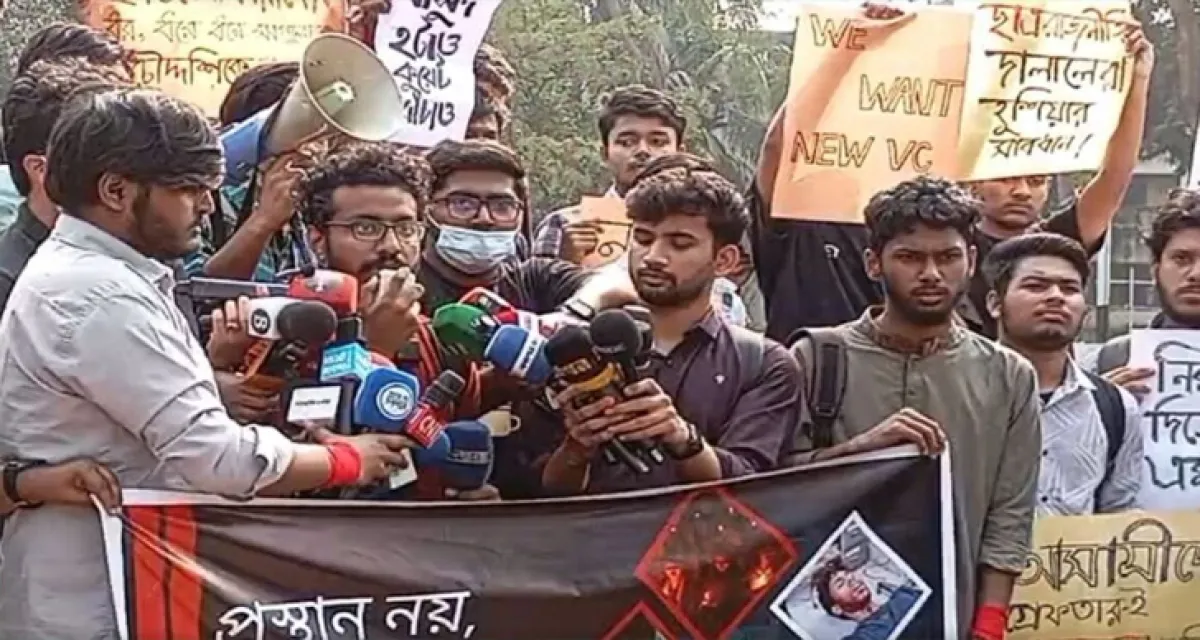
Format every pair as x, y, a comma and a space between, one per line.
750, 558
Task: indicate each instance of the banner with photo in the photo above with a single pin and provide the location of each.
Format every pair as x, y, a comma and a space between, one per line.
775, 556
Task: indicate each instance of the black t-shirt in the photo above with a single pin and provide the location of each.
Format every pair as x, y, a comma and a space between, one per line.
537, 285
812, 274
974, 312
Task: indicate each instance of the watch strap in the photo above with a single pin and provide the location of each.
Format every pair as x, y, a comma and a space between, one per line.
579, 309
691, 448
12, 469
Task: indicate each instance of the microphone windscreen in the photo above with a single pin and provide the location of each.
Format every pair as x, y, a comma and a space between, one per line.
520, 354
336, 289
345, 362
309, 321
459, 328
615, 334
467, 462
385, 400
567, 345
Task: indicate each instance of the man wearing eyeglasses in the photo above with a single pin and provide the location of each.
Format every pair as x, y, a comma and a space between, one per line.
478, 206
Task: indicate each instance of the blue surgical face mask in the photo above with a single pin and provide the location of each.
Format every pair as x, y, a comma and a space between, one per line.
473, 251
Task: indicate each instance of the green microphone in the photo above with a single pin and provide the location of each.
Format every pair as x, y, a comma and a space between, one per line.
463, 330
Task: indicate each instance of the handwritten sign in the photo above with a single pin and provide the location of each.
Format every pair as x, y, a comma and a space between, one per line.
1170, 418
864, 113
430, 47
1129, 576
1046, 84
194, 49
607, 216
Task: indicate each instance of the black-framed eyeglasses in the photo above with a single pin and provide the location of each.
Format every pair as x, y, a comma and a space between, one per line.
464, 207
372, 230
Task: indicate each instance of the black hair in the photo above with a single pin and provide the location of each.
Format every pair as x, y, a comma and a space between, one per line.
1181, 211
685, 190
488, 107
70, 40
1005, 257
677, 160
451, 156
380, 164
921, 201
642, 102
256, 89
144, 136
36, 99
822, 580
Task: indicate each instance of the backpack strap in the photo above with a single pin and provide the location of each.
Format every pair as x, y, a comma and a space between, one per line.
751, 349
826, 380
1112, 415
1113, 354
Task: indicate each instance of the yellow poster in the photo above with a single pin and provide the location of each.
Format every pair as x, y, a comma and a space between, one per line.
194, 49
1046, 83
1128, 576
864, 112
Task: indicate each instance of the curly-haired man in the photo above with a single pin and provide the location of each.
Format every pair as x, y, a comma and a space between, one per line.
922, 378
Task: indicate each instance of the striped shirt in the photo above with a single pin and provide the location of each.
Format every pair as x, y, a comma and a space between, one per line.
1075, 453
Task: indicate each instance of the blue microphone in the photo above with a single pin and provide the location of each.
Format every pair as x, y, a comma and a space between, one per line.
385, 401
519, 353
348, 361
467, 463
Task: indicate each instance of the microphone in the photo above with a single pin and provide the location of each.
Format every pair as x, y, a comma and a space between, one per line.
278, 318
428, 419
338, 290
386, 400
463, 330
492, 304
349, 361
575, 363
466, 464
202, 290
618, 339
520, 354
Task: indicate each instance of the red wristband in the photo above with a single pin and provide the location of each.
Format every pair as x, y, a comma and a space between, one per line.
345, 464
991, 620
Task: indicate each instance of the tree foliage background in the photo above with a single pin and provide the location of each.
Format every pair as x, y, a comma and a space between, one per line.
728, 74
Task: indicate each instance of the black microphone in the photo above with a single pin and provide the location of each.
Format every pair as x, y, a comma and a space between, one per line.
576, 364
618, 339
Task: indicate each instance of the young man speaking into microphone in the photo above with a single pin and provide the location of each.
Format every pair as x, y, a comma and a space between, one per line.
720, 401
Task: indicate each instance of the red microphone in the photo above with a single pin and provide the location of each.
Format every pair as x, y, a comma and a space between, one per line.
428, 419
336, 289
492, 304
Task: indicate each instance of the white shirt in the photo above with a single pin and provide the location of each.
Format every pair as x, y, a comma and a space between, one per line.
96, 360
1075, 453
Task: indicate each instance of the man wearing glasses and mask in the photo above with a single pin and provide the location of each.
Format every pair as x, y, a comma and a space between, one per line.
477, 210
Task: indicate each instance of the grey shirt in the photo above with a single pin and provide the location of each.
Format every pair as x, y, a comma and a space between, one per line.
96, 360
985, 398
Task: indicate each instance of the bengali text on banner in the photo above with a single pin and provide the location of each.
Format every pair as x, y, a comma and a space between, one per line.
1131, 576
194, 49
751, 558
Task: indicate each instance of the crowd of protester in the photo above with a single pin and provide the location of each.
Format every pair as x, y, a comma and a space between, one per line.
952, 310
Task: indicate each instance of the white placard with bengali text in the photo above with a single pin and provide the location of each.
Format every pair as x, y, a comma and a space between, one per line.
1170, 418
430, 45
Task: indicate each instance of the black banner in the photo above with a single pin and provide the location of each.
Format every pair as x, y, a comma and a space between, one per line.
861, 549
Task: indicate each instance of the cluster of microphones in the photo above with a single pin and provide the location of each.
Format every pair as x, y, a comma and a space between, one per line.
310, 348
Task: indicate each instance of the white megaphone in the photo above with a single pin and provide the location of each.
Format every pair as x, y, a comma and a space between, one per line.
342, 87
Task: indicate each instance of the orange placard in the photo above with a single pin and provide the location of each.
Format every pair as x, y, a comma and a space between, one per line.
607, 215
870, 104
194, 49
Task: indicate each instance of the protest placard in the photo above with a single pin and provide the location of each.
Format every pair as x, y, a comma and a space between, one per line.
1170, 418
430, 47
1130, 575
734, 559
607, 216
1046, 84
864, 112
194, 49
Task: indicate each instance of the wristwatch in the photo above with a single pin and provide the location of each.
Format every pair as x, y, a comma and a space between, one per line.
12, 469
690, 448
578, 309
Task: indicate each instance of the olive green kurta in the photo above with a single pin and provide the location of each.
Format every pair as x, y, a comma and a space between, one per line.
984, 397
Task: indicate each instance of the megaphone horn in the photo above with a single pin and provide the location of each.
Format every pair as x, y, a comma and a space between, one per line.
342, 86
